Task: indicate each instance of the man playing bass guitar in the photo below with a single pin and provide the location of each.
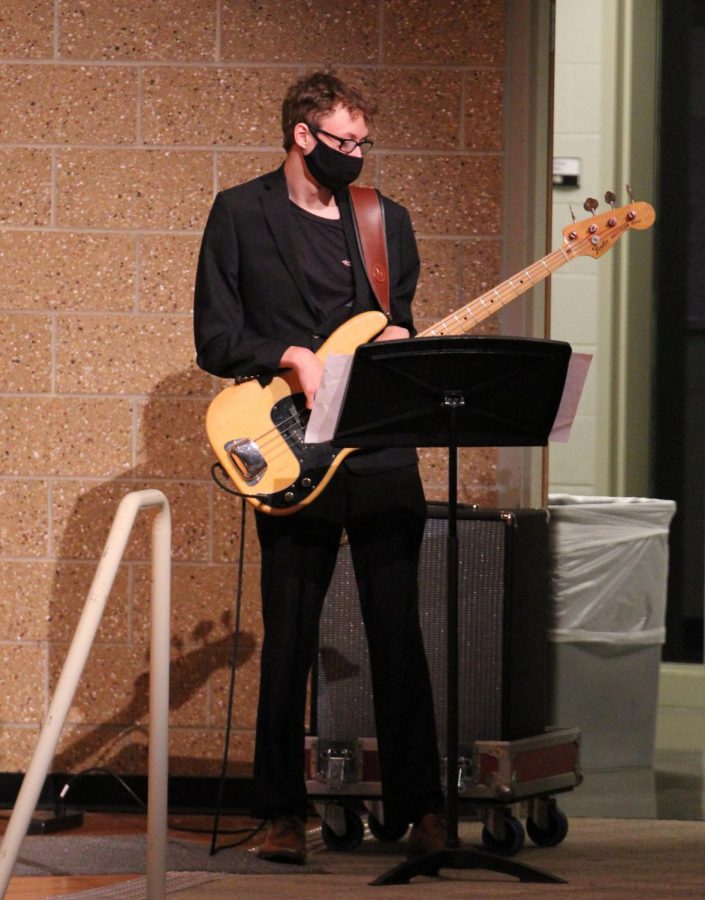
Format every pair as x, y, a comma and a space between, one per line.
279, 271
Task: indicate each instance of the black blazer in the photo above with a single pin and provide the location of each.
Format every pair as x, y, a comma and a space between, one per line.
251, 298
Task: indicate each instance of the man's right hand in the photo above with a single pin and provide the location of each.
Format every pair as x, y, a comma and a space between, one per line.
308, 369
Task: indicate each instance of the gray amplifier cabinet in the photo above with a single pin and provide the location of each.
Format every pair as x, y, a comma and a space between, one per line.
503, 613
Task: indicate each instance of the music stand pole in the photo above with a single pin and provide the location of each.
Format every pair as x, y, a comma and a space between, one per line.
451, 402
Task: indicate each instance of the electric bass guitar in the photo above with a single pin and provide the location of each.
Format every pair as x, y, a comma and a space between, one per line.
257, 430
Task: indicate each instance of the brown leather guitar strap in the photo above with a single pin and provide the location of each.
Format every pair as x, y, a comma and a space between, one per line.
368, 216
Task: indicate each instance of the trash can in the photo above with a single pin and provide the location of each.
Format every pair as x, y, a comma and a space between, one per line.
609, 568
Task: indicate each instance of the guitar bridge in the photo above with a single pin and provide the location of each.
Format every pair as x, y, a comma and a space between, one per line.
247, 459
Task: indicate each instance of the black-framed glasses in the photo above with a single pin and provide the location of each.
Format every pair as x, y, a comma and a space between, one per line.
345, 145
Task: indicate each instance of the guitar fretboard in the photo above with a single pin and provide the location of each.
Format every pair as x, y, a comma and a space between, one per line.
487, 304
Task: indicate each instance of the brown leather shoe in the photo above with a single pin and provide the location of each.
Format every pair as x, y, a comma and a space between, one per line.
285, 841
429, 835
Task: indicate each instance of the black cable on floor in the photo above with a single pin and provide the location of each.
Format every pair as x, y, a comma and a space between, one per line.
101, 770
97, 770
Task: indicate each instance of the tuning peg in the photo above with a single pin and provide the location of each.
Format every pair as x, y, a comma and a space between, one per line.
610, 198
630, 194
572, 214
590, 205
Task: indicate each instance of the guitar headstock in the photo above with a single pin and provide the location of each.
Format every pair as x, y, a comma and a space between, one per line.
596, 235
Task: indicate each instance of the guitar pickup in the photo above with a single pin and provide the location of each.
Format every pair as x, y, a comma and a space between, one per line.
247, 459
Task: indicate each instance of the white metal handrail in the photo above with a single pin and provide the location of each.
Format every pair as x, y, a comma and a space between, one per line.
67, 685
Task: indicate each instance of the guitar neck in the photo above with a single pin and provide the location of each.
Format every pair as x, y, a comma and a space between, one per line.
487, 304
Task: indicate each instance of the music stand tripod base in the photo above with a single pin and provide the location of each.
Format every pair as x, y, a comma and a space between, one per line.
463, 858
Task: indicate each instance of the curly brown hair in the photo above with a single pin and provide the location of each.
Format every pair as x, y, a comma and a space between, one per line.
315, 95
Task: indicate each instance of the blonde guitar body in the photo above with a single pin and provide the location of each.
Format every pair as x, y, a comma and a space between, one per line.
257, 431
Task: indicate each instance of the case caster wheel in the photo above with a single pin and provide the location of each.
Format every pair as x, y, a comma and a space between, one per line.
350, 839
554, 833
386, 833
511, 843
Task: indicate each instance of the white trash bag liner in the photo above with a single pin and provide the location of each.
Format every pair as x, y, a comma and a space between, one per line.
609, 568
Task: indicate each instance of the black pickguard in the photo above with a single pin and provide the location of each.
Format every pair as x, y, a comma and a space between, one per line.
290, 417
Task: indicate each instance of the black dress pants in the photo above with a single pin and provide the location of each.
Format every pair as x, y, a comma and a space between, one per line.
383, 515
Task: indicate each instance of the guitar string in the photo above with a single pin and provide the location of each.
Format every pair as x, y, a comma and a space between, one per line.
505, 292
453, 324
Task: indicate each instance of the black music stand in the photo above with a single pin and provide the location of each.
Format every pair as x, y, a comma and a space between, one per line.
455, 392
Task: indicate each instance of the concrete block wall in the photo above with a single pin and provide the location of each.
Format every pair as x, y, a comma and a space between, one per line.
118, 122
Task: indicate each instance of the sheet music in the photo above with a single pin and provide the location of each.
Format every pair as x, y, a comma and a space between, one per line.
329, 398
578, 367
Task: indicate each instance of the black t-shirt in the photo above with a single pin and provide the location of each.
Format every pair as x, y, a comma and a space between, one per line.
324, 258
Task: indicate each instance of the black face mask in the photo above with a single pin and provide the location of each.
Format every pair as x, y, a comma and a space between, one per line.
332, 169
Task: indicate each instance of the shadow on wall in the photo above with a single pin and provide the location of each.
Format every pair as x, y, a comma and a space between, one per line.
189, 672
108, 722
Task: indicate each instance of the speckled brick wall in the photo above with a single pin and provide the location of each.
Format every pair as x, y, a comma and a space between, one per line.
118, 121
